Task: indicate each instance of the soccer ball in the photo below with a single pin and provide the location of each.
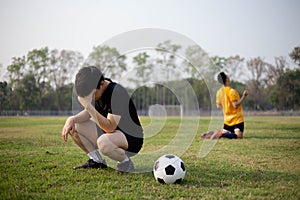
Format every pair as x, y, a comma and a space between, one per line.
169, 169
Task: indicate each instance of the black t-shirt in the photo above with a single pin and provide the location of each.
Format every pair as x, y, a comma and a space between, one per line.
116, 100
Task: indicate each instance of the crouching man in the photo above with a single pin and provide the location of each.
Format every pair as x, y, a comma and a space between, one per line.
107, 125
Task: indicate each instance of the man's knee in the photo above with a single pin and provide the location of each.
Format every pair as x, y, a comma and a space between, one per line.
104, 145
239, 134
81, 127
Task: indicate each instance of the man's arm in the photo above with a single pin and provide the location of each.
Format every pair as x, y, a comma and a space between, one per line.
69, 126
236, 104
81, 117
219, 99
219, 106
108, 124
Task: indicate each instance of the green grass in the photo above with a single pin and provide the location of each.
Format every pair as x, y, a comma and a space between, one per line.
37, 164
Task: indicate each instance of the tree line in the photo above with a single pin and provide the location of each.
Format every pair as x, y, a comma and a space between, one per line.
43, 79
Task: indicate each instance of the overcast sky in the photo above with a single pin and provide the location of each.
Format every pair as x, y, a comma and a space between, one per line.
252, 28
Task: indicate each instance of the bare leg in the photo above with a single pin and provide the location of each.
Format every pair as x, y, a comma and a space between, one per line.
113, 145
216, 135
86, 136
239, 134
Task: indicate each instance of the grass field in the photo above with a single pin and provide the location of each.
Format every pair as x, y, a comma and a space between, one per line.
37, 164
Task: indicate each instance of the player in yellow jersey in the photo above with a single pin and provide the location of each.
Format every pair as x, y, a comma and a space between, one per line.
229, 100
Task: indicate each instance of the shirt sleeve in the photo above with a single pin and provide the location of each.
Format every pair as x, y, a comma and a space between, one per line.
218, 98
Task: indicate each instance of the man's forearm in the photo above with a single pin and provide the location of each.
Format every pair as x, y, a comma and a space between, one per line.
238, 103
100, 120
81, 117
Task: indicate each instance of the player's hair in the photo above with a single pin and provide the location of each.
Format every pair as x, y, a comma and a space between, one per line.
222, 78
87, 79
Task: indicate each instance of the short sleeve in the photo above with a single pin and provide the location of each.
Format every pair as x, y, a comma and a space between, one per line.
219, 97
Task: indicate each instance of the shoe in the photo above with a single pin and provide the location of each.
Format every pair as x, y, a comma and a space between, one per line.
207, 135
125, 167
92, 164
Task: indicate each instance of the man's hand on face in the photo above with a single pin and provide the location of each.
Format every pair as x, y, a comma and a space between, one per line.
87, 100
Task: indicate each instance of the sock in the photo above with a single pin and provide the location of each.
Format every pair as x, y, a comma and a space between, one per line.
95, 155
125, 160
229, 135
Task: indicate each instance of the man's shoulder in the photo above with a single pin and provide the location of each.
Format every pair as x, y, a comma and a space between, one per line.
234, 95
116, 87
221, 89
232, 90
118, 92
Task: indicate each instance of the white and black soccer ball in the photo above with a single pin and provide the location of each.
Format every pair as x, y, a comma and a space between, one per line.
169, 169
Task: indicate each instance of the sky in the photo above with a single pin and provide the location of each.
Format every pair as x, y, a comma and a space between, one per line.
249, 28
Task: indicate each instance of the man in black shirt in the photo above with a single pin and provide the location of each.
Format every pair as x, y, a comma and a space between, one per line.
119, 134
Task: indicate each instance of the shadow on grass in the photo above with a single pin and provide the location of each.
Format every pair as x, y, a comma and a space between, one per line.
268, 137
226, 177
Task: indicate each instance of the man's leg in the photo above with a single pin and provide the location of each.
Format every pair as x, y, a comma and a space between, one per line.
229, 135
239, 130
228, 132
217, 134
85, 137
113, 145
239, 133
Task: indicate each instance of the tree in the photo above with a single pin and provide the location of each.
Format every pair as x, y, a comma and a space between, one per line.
143, 68
16, 70
202, 93
295, 55
256, 84
287, 95
5, 93
63, 66
63, 97
143, 71
41, 77
274, 72
234, 66
167, 59
37, 64
197, 62
28, 93
108, 59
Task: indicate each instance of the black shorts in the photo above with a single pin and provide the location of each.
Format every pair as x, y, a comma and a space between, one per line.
134, 145
231, 129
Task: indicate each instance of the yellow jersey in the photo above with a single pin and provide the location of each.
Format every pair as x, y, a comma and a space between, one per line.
225, 96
